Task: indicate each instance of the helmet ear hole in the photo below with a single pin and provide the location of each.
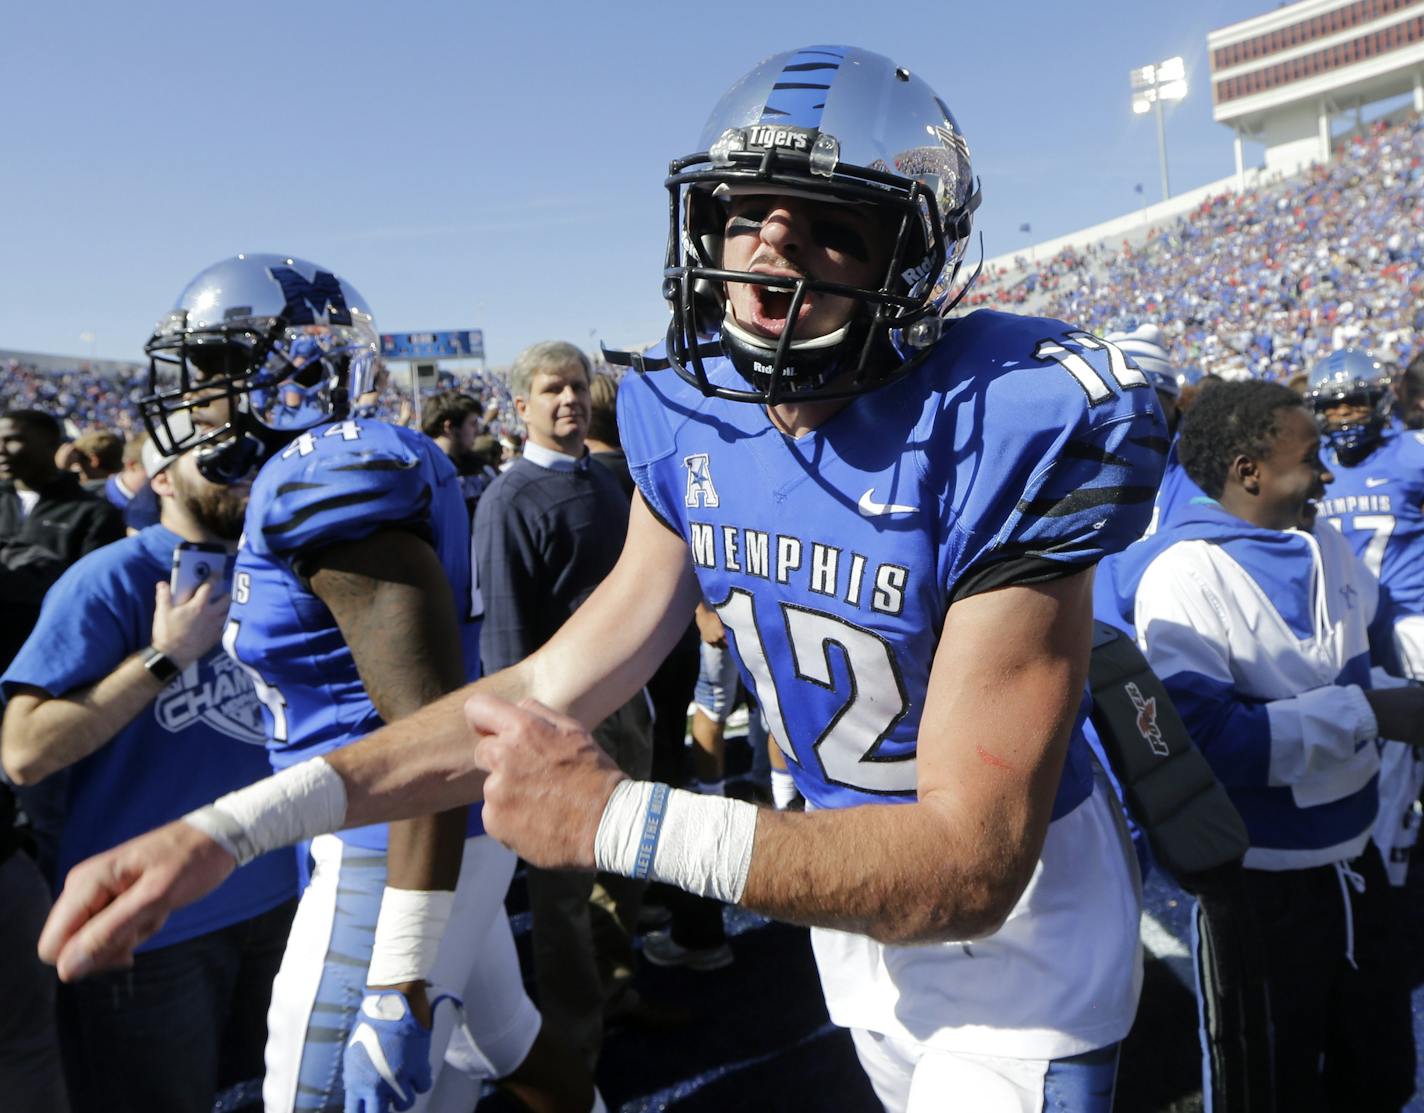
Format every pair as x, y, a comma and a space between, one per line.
310, 374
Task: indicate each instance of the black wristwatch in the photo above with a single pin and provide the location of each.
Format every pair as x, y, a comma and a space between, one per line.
161, 666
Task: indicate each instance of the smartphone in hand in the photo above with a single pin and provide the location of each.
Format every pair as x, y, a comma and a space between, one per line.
196, 563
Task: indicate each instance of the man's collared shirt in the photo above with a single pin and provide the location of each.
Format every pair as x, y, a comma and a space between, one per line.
554, 460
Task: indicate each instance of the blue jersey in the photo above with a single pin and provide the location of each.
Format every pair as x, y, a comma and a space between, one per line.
1018, 451
1378, 504
335, 484
1115, 586
200, 738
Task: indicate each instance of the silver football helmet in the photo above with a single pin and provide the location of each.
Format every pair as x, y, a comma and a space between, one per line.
835, 124
1144, 346
1350, 376
257, 349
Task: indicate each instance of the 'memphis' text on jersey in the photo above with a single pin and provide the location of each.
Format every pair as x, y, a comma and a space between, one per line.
788, 559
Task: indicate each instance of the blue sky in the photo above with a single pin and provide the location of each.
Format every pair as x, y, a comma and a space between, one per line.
500, 166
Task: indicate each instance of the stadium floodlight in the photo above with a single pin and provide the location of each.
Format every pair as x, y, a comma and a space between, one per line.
1151, 85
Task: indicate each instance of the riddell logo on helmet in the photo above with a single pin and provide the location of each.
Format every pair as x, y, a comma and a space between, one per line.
762, 135
1147, 719
915, 274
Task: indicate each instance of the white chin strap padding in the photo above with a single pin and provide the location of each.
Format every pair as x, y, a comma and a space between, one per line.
815, 343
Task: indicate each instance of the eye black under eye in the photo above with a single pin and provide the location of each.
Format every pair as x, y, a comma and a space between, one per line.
834, 235
743, 224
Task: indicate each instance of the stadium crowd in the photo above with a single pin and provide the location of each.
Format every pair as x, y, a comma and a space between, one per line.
523, 492
1264, 282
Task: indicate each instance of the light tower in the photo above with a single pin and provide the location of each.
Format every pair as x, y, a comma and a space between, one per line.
1151, 85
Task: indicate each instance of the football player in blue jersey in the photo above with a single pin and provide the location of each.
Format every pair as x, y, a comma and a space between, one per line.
895, 514
343, 617
1113, 603
1376, 500
1145, 347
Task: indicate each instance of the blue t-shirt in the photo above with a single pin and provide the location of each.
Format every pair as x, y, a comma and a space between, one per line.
335, 484
1020, 450
200, 738
139, 510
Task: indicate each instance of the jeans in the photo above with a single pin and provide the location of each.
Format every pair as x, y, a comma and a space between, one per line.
30, 1079
184, 1023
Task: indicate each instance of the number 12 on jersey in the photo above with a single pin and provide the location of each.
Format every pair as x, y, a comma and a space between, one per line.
1120, 369
848, 745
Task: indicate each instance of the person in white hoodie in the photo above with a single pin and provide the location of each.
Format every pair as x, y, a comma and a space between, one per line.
1265, 634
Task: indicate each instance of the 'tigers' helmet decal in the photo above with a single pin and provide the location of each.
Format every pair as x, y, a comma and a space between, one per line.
258, 349
1350, 376
832, 124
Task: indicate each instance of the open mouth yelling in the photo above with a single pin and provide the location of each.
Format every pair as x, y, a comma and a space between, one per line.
770, 307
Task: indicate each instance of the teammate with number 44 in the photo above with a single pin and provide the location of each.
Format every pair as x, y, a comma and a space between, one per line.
343, 617
1376, 499
895, 513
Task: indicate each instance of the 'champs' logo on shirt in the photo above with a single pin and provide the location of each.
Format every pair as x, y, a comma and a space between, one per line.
217, 693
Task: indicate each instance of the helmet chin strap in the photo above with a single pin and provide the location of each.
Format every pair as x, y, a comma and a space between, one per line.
810, 363
751, 340
233, 459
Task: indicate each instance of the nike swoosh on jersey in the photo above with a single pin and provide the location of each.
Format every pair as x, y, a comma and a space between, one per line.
1373, 482
872, 509
368, 1039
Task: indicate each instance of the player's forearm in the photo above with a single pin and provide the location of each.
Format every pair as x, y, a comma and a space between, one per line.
424, 763
424, 853
421, 764
901, 873
43, 735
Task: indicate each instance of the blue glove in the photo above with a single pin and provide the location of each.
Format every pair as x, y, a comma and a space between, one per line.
387, 1058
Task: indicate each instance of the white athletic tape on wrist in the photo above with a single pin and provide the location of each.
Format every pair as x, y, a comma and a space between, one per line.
702, 844
298, 803
408, 933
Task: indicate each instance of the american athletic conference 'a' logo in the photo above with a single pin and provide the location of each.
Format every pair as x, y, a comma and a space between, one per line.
700, 491
1147, 719
216, 693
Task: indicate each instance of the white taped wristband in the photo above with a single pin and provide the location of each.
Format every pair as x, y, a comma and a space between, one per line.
408, 932
298, 803
702, 844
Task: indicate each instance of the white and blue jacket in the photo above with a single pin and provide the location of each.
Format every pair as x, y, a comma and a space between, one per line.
1263, 639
